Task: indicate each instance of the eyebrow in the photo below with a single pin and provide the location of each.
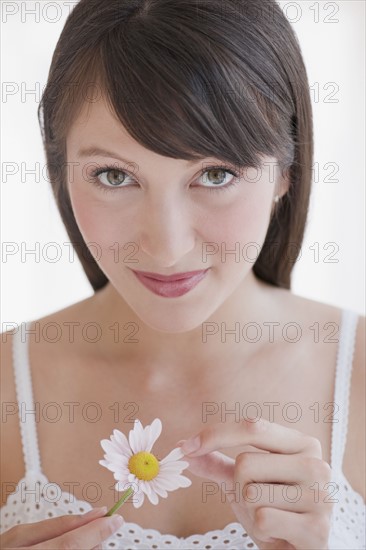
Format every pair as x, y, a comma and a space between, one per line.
93, 151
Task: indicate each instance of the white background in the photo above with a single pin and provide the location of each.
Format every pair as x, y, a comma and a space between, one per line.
33, 285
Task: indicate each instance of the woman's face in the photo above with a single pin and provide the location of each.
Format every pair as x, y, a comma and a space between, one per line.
163, 215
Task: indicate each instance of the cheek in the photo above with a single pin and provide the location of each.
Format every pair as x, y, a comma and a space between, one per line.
245, 221
98, 221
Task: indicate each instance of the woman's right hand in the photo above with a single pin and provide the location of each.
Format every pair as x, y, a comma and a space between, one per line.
67, 532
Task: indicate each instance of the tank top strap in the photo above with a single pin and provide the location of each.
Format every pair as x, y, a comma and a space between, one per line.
346, 348
26, 407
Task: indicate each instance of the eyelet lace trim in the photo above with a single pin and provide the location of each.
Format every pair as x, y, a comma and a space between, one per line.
36, 499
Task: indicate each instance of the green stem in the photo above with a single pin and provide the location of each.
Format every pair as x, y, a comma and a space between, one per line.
123, 498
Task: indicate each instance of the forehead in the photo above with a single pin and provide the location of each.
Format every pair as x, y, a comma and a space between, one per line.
97, 127
97, 132
96, 120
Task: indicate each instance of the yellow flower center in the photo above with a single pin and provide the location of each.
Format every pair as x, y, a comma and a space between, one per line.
144, 465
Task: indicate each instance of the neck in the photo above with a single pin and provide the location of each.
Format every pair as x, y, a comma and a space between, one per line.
222, 339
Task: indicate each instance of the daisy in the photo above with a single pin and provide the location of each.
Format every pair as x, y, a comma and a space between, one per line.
134, 465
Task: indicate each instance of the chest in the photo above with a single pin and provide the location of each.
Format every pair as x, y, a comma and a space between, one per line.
291, 386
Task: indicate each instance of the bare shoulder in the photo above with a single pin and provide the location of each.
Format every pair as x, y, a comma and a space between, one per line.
305, 311
11, 461
354, 464
12, 467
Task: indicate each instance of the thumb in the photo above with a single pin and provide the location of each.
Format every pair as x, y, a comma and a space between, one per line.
215, 466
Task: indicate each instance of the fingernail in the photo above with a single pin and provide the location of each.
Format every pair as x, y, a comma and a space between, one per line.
191, 445
180, 442
116, 521
95, 512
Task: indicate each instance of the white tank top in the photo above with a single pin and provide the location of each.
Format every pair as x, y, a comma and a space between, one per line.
36, 498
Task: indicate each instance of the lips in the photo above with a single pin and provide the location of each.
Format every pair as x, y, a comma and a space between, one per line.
168, 278
171, 288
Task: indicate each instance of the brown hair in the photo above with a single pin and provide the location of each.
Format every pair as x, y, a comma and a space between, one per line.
189, 79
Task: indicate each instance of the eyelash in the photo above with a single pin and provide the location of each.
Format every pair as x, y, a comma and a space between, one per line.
95, 173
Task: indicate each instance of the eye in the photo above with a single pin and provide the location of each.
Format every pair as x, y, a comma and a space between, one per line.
217, 176
109, 178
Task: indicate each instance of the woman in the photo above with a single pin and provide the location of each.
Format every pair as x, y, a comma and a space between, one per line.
178, 138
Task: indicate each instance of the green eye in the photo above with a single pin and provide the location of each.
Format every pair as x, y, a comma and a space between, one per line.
217, 175
115, 178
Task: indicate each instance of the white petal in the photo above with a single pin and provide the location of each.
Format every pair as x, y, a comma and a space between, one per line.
109, 446
121, 438
122, 450
138, 500
113, 452
121, 485
147, 439
152, 433
121, 445
114, 467
159, 490
184, 481
136, 437
111, 467
124, 484
173, 482
174, 467
153, 497
118, 458
146, 486
155, 429
175, 454
119, 473
169, 483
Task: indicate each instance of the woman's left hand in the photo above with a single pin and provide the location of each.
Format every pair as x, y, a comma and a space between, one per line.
258, 484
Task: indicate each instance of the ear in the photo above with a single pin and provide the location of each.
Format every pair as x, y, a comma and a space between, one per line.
282, 185
283, 180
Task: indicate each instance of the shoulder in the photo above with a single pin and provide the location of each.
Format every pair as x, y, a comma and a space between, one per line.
329, 318
306, 311
11, 461
354, 463
48, 330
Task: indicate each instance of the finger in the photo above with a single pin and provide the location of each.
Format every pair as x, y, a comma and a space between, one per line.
87, 536
219, 468
33, 533
281, 468
215, 466
261, 433
292, 482
301, 530
291, 498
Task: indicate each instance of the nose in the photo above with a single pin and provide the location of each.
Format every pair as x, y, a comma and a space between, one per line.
166, 231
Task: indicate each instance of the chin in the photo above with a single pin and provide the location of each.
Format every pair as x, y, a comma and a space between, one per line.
174, 318
173, 324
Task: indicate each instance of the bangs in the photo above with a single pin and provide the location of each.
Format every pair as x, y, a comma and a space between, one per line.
188, 79
182, 99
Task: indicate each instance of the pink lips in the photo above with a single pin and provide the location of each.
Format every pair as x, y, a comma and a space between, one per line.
170, 286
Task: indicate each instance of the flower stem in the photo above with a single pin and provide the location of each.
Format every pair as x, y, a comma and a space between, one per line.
123, 498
